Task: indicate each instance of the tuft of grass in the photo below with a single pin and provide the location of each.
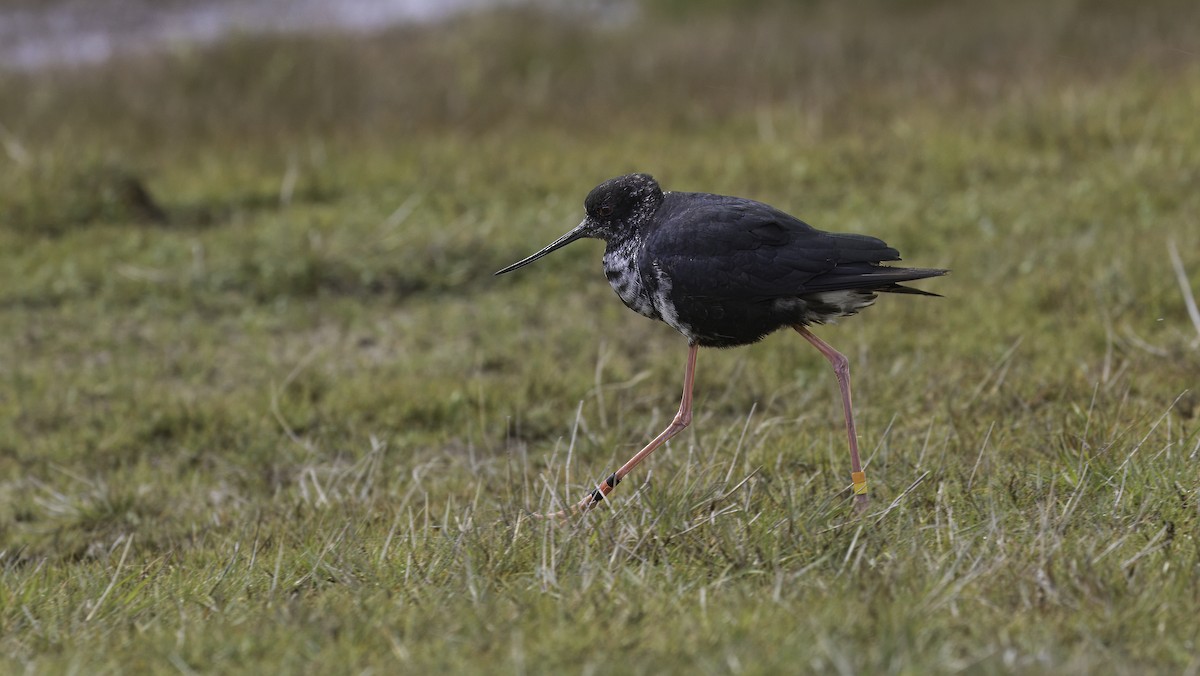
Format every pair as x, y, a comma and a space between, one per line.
287, 420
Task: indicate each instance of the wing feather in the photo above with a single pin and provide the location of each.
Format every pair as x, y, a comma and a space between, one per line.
729, 247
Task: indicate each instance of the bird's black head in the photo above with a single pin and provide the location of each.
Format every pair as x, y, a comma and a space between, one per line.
616, 209
619, 205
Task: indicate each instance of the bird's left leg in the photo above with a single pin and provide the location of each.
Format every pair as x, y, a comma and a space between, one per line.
682, 419
841, 369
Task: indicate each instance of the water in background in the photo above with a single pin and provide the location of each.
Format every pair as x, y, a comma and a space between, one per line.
34, 34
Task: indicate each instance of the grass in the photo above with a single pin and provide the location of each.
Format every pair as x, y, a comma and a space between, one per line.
264, 407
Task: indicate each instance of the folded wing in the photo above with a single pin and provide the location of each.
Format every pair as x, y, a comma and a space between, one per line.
742, 249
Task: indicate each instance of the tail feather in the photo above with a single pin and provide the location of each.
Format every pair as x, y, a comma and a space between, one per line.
896, 288
875, 277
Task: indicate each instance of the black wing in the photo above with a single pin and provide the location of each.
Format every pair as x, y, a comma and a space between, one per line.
729, 247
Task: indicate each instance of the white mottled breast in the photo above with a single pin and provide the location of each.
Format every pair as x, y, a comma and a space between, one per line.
621, 269
661, 297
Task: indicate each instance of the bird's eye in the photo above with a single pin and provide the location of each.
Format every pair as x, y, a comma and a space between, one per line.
606, 210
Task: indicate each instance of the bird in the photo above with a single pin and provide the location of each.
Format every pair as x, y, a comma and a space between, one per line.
725, 272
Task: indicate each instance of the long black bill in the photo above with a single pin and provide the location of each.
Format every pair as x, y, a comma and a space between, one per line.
566, 239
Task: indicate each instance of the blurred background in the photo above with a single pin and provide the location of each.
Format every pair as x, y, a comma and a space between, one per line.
246, 256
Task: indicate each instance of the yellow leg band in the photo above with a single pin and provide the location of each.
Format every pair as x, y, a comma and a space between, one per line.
860, 482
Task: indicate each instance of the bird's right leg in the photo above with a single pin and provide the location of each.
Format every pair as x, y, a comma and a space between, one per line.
841, 369
682, 419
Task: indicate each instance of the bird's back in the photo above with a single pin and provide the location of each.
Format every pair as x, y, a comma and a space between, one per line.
735, 269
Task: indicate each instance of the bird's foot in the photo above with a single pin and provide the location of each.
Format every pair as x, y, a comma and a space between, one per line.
558, 516
861, 502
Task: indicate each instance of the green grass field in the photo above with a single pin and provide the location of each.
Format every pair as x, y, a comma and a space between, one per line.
264, 408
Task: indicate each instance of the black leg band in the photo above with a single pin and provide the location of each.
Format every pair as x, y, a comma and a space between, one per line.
612, 481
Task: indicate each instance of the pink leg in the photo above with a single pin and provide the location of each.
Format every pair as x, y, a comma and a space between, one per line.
841, 369
682, 419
